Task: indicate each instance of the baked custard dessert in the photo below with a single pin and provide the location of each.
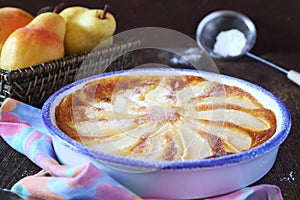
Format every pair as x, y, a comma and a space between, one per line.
164, 117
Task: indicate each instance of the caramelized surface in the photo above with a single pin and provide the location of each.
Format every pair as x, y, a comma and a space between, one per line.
164, 117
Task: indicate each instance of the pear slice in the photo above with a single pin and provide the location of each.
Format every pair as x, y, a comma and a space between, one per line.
191, 92
222, 101
160, 95
123, 143
238, 138
103, 128
195, 147
237, 117
162, 145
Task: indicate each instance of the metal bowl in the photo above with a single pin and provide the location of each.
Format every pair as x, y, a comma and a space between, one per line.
223, 20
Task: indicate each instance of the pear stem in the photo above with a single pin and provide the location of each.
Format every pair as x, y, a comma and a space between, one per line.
58, 7
105, 10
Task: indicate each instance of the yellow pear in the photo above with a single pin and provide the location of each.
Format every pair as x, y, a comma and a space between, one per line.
40, 41
86, 28
11, 19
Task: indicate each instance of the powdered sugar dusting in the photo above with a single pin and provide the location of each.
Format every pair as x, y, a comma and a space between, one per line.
230, 43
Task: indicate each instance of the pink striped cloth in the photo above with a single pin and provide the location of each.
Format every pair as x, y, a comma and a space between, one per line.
22, 129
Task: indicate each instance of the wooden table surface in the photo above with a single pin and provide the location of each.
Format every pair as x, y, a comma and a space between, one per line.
278, 28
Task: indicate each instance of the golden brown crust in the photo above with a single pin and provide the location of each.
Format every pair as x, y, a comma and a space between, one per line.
165, 117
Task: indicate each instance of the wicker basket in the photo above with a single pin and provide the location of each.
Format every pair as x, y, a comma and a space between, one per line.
33, 85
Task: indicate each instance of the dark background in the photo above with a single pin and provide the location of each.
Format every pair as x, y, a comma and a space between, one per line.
278, 31
277, 21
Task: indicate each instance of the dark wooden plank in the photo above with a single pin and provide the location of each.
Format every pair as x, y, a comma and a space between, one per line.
278, 41
13, 166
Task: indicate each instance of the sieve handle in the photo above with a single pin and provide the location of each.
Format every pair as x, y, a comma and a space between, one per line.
294, 76
266, 62
291, 74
